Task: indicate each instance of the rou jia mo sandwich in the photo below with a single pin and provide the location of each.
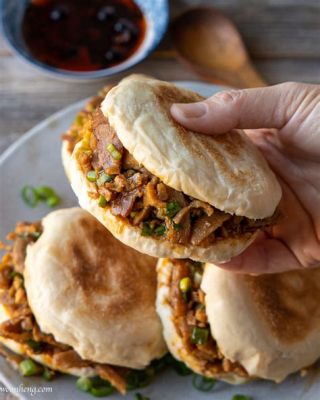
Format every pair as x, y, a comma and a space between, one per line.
76, 300
238, 327
162, 189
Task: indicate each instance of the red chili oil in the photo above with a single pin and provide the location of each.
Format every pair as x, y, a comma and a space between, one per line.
82, 35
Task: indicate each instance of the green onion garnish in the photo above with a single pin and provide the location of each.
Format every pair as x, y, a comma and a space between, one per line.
203, 383
101, 391
29, 196
199, 335
114, 152
53, 201
185, 284
48, 374
102, 202
103, 178
84, 384
34, 345
91, 176
160, 230
79, 120
44, 192
172, 208
140, 378
32, 196
28, 367
241, 397
139, 396
177, 227
146, 229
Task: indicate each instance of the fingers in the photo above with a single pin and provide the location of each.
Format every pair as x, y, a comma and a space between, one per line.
270, 107
264, 256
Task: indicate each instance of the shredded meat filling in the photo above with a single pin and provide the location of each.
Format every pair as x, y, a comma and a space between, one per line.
189, 315
22, 327
160, 211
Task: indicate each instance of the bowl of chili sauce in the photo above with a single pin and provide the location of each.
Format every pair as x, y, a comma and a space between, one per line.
83, 39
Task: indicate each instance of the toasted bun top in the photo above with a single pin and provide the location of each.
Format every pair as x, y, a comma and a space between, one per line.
226, 171
92, 292
270, 324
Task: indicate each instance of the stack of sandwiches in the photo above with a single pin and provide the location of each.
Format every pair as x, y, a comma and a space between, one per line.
106, 290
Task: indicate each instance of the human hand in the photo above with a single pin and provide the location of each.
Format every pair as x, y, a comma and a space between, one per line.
284, 122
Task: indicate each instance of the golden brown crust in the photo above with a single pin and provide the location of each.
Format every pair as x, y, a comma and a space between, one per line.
286, 302
269, 324
226, 171
93, 293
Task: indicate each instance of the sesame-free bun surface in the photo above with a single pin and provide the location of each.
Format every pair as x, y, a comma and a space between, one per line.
226, 171
172, 338
220, 251
93, 293
269, 324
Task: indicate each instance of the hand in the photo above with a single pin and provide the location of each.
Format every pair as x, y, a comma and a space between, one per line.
284, 122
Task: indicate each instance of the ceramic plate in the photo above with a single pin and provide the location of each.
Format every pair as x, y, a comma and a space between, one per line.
35, 160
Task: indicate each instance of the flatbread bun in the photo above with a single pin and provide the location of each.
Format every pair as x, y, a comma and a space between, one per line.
93, 293
172, 338
226, 171
130, 235
270, 324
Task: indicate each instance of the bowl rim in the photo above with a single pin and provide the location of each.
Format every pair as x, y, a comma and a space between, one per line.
135, 58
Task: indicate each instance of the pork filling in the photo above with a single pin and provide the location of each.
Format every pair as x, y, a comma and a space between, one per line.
22, 327
187, 301
133, 193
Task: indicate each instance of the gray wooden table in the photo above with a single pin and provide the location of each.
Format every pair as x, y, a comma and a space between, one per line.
282, 36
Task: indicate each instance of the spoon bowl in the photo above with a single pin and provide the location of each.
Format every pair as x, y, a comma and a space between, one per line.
211, 45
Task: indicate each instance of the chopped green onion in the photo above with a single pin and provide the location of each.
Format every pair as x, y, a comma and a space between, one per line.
181, 368
35, 235
177, 227
139, 396
28, 367
185, 284
48, 374
172, 208
101, 391
79, 120
203, 383
34, 345
160, 230
91, 176
241, 397
103, 178
53, 201
199, 335
13, 274
114, 152
102, 202
84, 384
146, 229
44, 192
140, 378
197, 277
29, 196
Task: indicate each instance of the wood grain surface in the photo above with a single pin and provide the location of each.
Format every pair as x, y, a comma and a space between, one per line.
282, 36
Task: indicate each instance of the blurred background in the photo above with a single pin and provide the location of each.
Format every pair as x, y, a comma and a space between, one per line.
282, 38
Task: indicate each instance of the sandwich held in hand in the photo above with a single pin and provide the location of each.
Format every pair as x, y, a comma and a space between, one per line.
237, 327
162, 189
76, 300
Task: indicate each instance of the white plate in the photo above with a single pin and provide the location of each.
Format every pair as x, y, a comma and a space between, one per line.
35, 160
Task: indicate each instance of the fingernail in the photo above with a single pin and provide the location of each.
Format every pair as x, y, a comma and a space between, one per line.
193, 110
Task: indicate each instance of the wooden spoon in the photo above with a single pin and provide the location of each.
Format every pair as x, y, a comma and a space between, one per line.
211, 45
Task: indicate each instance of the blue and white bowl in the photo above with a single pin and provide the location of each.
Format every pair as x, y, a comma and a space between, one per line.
156, 13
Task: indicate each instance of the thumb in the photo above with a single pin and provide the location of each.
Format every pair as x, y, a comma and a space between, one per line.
270, 107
